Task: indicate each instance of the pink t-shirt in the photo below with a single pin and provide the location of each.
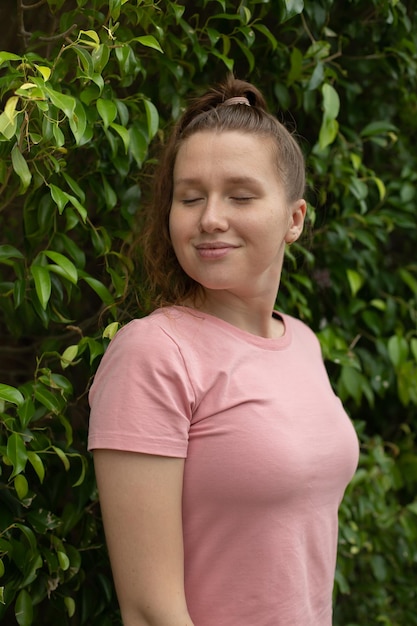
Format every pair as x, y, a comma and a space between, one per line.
269, 451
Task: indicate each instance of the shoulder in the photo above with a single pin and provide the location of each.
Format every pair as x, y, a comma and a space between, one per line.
159, 340
301, 333
144, 352
160, 327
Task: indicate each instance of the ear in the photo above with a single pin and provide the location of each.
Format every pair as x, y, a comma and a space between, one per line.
296, 223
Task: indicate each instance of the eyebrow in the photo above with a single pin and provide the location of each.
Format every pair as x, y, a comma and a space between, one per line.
234, 180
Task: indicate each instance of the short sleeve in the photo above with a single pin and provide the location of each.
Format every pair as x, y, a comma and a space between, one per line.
141, 399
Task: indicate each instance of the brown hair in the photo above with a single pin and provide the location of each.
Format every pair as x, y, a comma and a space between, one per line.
167, 281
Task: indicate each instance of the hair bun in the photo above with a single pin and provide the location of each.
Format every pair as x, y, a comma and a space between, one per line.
236, 100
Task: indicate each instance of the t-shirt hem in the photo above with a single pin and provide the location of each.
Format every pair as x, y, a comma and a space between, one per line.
130, 445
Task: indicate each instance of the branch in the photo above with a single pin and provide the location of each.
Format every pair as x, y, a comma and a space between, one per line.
59, 35
306, 28
27, 7
22, 32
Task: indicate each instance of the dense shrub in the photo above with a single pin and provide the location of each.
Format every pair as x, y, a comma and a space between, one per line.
85, 88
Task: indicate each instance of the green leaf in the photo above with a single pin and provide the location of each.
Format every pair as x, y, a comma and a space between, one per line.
150, 42
100, 289
61, 101
78, 206
8, 56
352, 381
74, 186
69, 605
380, 186
7, 126
43, 285
10, 107
11, 394
21, 486
267, 33
62, 456
68, 268
107, 111
296, 64
21, 168
413, 344
95, 348
114, 8
397, 350
86, 60
68, 356
356, 281
60, 197
29, 536
409, 279
16, 452
9, 252
138, 145
331, 101
317, 77
24, 609
92, 40
26, 411
68, 429
83, 471
47, 399
378, 128
328, 132
110, 195
45, 71
293, 7
152, 118
37, 464
228, 62
406, 382
124, 134
78, 124
58, 135
110, 330
63, 560
100, 57
248, 54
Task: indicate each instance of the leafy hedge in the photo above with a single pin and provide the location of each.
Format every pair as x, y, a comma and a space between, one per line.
84, 93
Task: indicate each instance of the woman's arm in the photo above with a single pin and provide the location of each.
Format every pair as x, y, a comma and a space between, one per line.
140, 497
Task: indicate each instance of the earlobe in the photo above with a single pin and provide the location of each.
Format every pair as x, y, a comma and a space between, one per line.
297, 217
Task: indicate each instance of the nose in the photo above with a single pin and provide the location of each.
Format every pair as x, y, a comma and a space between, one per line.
213, 217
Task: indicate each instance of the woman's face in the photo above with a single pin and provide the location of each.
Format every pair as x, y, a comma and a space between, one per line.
229, 219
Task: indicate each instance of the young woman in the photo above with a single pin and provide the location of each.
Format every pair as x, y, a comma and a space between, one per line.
220, 449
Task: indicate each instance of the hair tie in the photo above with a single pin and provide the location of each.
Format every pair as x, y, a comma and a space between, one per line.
237, 100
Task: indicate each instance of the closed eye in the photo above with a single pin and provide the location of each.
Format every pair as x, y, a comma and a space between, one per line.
242, 198
190, 200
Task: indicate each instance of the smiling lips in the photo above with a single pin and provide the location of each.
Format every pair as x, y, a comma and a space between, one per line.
214, 249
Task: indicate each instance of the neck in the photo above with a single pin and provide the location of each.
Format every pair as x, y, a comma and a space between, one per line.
252, 315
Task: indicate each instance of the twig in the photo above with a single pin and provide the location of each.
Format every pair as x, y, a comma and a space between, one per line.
27, 7
308, 31
22, 32
59, 35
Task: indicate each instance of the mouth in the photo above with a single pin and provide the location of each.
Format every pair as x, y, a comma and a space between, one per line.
214, 250
214, 245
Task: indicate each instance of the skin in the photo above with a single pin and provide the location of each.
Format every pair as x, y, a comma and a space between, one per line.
229, 224
140, 499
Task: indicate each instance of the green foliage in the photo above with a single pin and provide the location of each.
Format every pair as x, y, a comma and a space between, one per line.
83, 96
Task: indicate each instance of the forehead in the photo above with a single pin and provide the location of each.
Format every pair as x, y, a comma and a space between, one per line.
233, 154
